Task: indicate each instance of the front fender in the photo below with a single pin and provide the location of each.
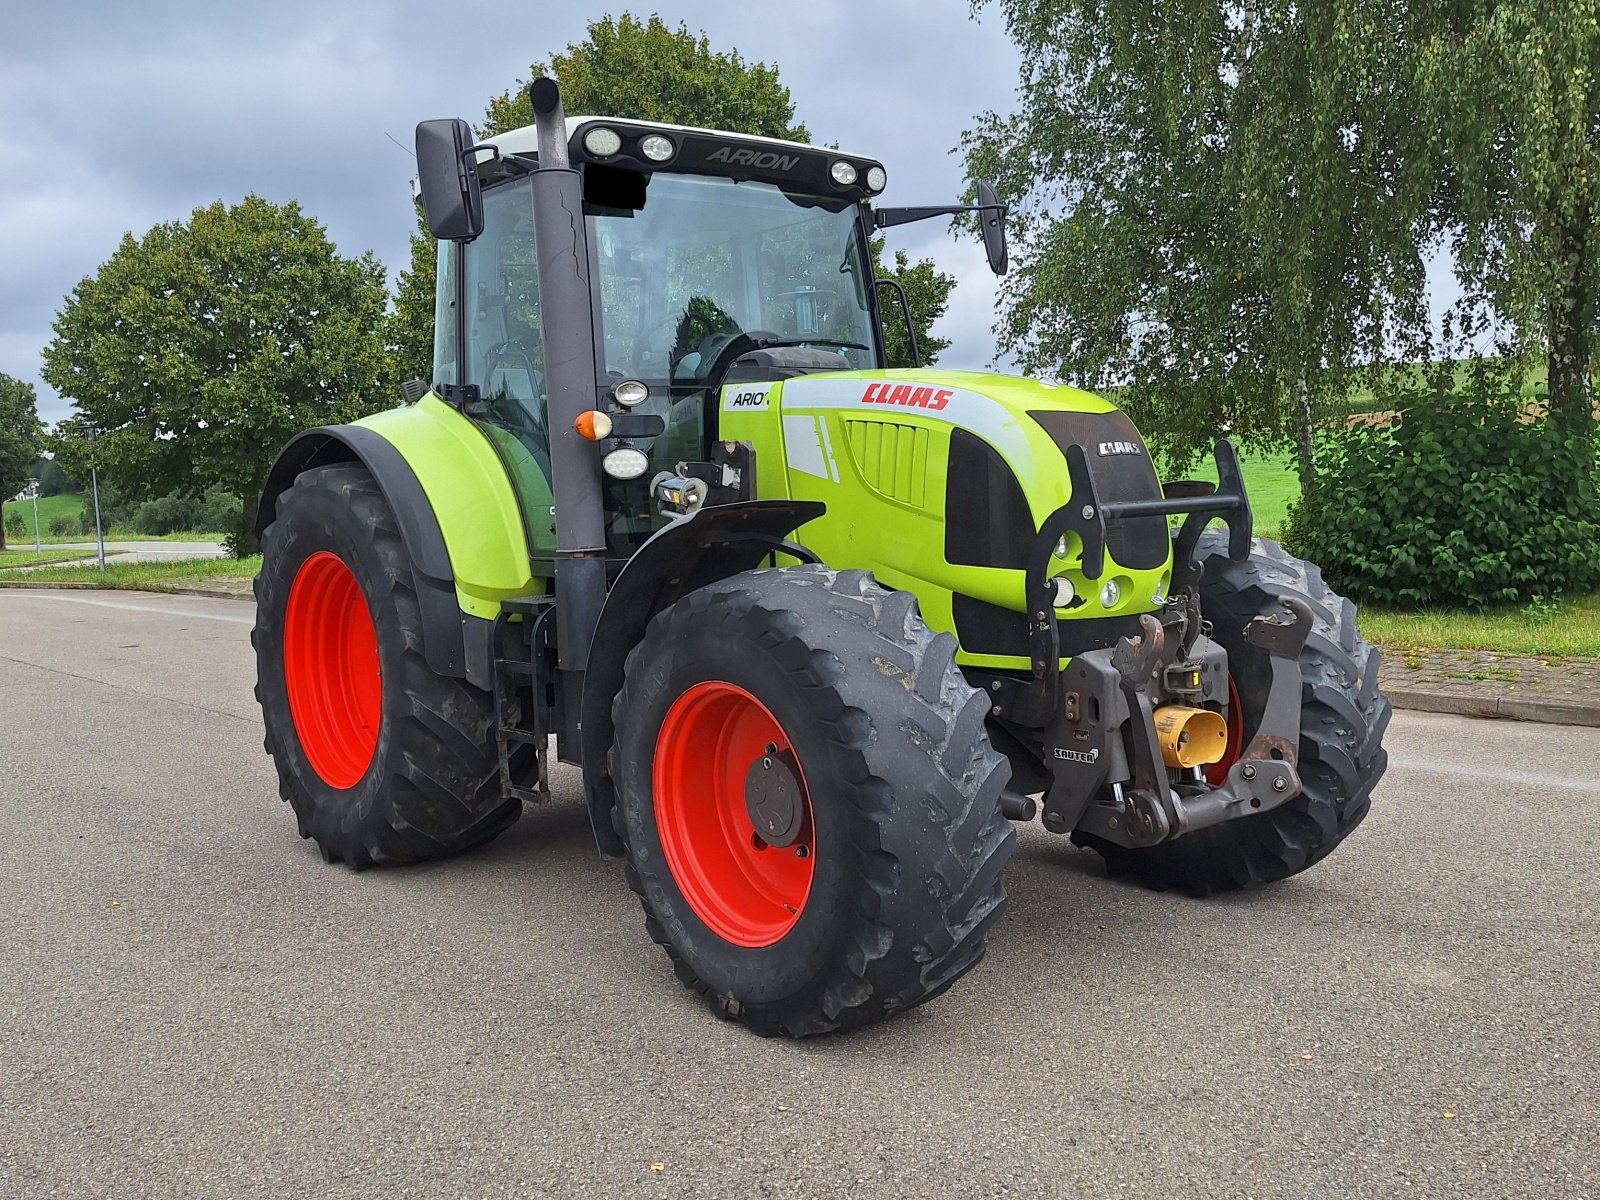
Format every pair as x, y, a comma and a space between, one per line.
456, 511
706, 546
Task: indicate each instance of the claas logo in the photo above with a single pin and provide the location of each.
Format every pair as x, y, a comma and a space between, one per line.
907, 395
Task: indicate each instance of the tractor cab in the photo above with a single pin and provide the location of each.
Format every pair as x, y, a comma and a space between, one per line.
714, 258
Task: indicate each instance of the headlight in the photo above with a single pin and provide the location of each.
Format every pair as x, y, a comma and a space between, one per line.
843, 173
625, 463
656, 148
876, 179
1110, 594
630, 392
602, 142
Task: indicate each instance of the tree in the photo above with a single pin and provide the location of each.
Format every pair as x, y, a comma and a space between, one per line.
197, 350
1514, 90
648, 71
21, 438
1217, 207
927, 295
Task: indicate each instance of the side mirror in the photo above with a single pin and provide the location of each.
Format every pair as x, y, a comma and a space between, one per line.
447, 176
992, 219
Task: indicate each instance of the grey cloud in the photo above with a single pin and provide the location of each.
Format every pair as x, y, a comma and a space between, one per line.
122, 115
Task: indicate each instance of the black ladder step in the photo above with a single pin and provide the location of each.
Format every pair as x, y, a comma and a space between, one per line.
512, 666
528, 606
525, 736
528, 794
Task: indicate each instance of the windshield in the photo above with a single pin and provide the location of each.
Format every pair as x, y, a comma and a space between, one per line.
706, 259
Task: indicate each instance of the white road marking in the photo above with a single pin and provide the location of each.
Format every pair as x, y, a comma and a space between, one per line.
142, 608
1432, 766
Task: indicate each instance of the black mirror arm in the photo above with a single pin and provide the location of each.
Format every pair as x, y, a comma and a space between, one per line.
883, 218
905, 308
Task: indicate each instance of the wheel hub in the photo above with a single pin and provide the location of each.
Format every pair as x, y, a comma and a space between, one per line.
773, 799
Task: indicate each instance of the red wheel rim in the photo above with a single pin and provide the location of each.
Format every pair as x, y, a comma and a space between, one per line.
745, 891
330, 670
1217, 772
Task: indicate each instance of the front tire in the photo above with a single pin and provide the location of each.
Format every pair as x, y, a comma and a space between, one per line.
1343, 717
382, 760
814, 708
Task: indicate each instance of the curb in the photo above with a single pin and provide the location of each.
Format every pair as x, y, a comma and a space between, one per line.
1497, 707
209, 593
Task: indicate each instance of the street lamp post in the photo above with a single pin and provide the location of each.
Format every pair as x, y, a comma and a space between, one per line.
33, 494
94, 484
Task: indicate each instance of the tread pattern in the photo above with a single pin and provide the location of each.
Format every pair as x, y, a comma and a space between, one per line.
434, 787
920, 789
1343, 717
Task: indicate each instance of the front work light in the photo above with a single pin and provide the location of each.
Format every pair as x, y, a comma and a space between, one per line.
876, 179
625, 463
843, 173
630, 392
656, 148
602, 142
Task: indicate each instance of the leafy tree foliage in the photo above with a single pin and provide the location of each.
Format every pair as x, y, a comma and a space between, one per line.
21, 438
1513, 87
650, 71
197, 350
1459, 503
1215, 208
927, 295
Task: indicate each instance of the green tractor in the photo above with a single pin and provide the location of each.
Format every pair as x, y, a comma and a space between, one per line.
816, 632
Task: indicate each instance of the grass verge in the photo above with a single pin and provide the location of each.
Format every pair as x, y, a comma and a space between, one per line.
227, 573
1271, 483
27, 558
1569, 629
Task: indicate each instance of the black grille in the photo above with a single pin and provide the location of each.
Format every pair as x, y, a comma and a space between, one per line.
984, 628
986, 517
1138, 543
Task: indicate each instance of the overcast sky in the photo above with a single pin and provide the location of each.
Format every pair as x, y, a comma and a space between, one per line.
118, 114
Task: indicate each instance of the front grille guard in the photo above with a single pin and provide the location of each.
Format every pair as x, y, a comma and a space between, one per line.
1037, 701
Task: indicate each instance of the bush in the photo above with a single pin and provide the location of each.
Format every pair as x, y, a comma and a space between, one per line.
1463, 506
214, 512
68, 525
16, 527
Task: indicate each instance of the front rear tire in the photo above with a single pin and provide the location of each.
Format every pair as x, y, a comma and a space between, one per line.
808, 799
382, 760
1343, 717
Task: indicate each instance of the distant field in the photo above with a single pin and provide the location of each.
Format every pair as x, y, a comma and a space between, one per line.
1270, 482
52, 506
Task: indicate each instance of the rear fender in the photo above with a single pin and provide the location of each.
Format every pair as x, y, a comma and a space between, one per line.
710, 544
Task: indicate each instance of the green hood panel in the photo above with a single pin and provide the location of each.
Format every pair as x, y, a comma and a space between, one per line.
876, 446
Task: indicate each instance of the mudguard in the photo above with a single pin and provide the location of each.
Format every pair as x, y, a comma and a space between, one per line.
456, 644
695, 550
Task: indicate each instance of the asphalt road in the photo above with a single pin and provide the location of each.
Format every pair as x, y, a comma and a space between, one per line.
192, 1003
145, 551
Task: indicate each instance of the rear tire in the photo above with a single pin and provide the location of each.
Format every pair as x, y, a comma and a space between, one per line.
397, 771
1342, 721
900, 812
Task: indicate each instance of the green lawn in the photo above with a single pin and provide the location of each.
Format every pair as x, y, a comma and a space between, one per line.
149, 576
21, 555
1569, 630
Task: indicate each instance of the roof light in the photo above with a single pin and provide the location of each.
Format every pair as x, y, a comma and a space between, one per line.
877, 179
843, 173
602, 142
630, 392
625, 463
593, 425
656, 148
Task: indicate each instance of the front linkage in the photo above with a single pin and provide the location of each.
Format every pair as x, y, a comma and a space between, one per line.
1109, 777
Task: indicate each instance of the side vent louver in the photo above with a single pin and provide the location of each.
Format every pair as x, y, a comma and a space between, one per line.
893, 459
